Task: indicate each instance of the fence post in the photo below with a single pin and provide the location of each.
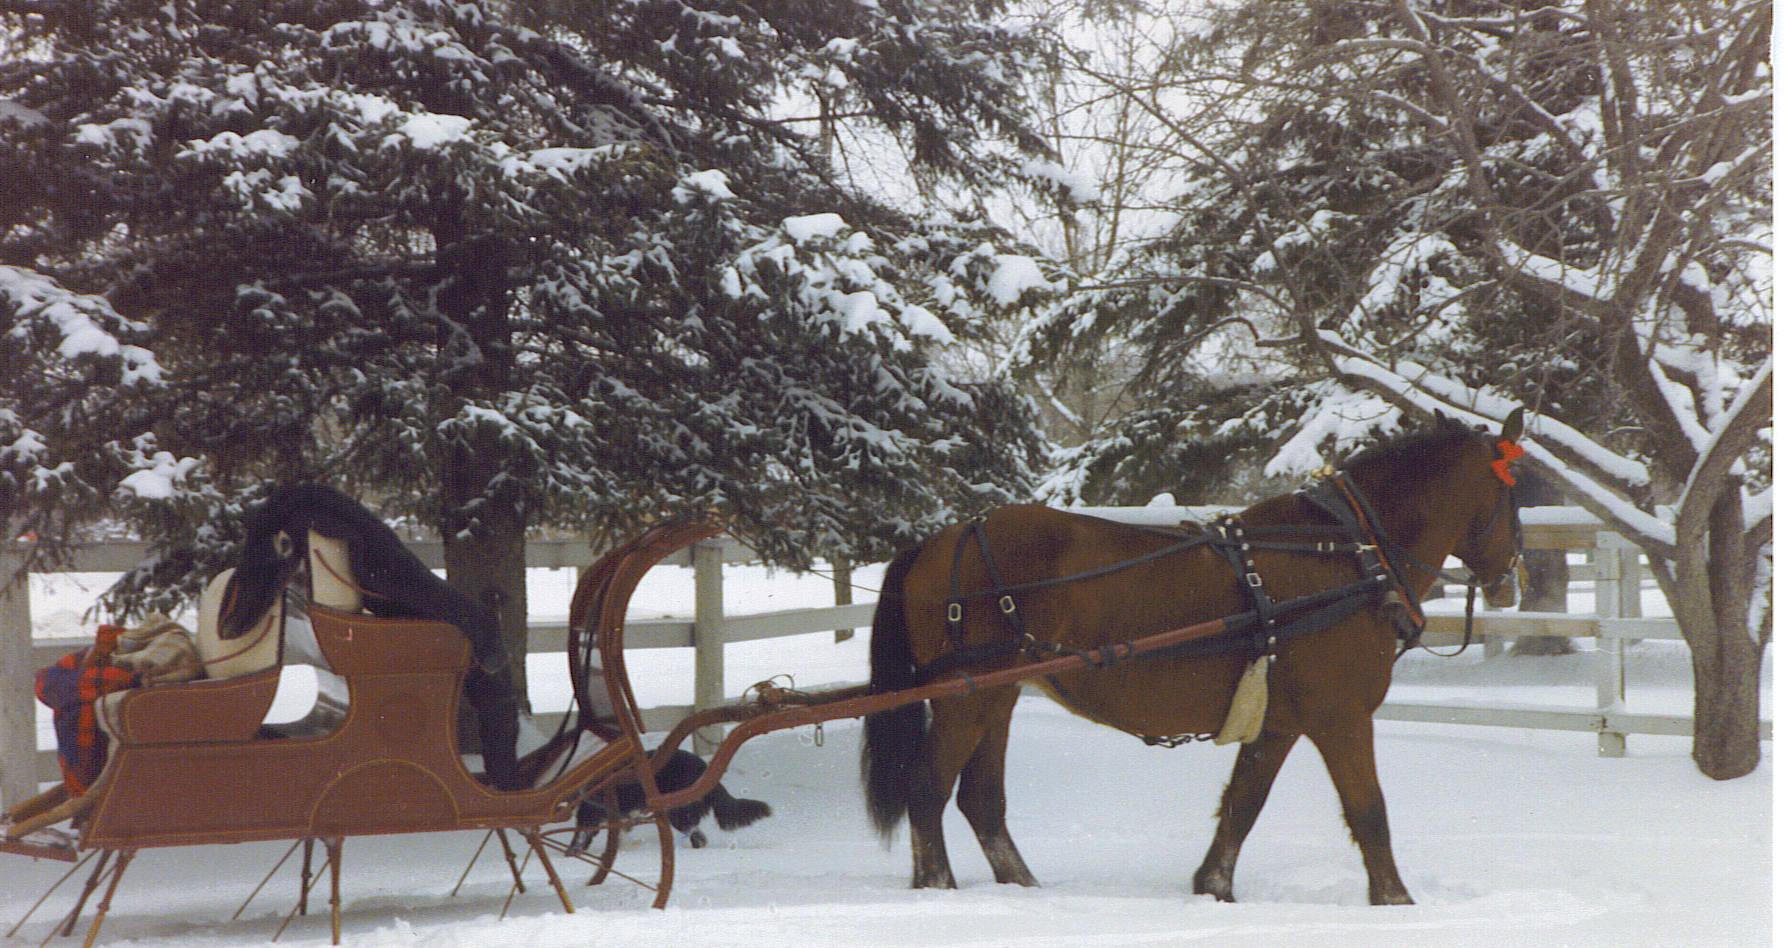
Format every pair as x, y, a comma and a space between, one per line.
18, 709
709, 642
842, 581
1618, 571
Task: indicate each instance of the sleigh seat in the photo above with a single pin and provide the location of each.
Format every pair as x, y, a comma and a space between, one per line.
239, 677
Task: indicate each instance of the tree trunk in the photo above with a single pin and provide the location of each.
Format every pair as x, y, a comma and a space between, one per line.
1546, 591
1547, 572
1711, 596
491, 568
1725, 664
489, 565
483, 511
484, 540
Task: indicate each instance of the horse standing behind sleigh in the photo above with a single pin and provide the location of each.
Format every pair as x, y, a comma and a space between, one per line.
1322, 587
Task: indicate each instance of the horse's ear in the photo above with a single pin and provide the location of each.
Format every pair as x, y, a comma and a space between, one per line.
1514, 425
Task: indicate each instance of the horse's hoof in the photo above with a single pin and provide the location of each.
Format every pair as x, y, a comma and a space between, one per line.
1391, 898
1217, 884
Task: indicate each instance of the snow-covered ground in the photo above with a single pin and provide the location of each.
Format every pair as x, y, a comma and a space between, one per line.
1505, 837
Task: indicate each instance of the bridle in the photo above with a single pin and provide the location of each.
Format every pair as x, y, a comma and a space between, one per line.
1505, 507
1393, 556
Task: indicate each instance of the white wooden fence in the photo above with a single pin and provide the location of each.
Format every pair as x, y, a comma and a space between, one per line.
1615, 570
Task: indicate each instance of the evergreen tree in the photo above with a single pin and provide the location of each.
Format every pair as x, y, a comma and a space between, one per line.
493, 267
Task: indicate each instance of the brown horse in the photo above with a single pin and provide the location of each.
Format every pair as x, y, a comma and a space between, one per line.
1324, 582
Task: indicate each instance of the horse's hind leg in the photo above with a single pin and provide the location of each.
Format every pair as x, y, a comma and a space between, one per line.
955, 727
982, 797
1254, 771
1349, 753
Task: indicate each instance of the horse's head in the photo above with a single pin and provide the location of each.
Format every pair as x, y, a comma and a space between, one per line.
1493, 545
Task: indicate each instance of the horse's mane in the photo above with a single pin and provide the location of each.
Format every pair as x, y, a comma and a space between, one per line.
1402, 450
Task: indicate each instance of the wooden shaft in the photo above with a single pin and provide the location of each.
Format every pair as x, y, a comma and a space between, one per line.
752, 723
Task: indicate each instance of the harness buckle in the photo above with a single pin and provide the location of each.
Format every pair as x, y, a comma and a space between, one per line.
1254, 580
954, 612
1007, 604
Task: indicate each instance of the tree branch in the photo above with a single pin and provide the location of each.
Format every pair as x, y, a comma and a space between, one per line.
1751, 412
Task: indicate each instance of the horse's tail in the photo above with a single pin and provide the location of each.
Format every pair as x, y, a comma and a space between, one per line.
734, 813
891, 739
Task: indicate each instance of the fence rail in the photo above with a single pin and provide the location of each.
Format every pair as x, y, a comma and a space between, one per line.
1614, 569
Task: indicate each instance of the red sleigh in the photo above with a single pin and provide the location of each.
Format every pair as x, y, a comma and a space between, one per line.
190, 764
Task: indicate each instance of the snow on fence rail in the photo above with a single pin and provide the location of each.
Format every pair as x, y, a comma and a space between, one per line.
1614, 566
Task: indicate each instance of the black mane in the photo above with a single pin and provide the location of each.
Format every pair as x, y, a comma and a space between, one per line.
1403, 449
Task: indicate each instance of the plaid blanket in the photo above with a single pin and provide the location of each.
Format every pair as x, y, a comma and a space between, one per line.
69, 688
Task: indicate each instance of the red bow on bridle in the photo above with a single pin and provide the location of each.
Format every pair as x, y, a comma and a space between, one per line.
1508, 452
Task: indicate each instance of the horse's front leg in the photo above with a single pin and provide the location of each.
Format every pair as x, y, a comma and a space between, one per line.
1254, 771
1349, 752
982, 796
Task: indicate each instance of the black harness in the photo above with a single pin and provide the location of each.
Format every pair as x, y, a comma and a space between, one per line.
1355, 531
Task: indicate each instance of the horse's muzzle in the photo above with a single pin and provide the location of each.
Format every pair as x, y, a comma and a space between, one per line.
1502, 593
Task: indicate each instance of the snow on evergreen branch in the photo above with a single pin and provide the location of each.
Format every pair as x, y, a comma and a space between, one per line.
87, 325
